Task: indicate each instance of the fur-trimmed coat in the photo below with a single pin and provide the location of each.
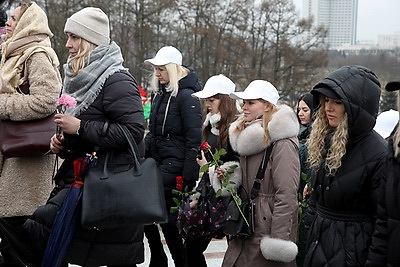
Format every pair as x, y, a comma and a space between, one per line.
273, 243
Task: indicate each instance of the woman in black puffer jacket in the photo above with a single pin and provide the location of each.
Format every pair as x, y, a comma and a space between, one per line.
384, 250
346, 157
106, 94
173, 141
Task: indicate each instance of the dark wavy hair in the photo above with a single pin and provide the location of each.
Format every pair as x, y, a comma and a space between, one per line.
308, 99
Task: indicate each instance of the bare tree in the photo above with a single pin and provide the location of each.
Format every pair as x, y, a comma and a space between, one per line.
243, 39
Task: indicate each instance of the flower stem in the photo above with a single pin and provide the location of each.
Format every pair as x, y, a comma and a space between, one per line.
238, 206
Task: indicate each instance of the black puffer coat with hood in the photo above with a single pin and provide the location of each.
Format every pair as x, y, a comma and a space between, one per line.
384, 250
175, 135
343, 207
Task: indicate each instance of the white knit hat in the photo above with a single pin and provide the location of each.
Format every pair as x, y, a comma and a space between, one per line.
258, 89
218, 84
166, 54
91, 24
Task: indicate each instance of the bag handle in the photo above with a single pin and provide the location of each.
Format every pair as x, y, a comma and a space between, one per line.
134, 149
260, 173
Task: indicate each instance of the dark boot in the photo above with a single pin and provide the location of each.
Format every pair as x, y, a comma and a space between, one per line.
14, 250
195, 252
174, 243
158, 258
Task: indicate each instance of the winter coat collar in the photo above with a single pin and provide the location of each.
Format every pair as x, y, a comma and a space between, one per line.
190, 81
284, 124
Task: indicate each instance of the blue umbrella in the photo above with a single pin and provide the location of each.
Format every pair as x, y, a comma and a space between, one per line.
67, 216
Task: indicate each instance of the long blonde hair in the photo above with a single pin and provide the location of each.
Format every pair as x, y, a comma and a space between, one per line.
396, 137
175, 73
315, 144
81, 59
266, 118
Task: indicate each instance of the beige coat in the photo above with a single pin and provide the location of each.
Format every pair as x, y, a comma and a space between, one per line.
25, 183
276, 206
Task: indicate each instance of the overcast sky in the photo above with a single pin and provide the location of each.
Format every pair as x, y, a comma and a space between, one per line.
375, 17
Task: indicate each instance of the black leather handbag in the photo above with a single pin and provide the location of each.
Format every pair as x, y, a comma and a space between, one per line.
131, 197
235, 225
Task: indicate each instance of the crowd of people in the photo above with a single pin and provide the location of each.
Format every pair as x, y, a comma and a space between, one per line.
335, 155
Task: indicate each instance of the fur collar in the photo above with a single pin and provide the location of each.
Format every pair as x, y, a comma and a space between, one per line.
284, 124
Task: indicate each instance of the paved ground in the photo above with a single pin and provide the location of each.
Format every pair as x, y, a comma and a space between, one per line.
214, 253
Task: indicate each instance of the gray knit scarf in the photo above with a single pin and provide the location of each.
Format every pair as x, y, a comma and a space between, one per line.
104, 61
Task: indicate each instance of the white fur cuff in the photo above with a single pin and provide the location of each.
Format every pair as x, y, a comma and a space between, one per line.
235, 177
278, 249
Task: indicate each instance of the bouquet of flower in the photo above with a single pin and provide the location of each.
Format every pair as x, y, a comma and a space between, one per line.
217, 162
64, 102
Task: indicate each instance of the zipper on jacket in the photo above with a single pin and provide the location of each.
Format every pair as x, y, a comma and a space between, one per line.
165, 116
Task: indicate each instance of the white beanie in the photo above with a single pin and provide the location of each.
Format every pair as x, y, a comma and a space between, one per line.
91, 24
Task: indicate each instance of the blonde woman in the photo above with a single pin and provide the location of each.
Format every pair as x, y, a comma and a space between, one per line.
106, 94
265, 123
346, 157
384, 250
28, 64
173, 140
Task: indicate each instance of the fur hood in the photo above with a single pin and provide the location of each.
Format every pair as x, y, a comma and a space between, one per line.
284, 124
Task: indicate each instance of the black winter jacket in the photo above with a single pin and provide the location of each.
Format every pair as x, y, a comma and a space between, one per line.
175, 135
384, 250
343, 206
175, 131
118, 102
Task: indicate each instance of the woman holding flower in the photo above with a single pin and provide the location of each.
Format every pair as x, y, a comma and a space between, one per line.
221, 111
105, 94
264, 123
30, 84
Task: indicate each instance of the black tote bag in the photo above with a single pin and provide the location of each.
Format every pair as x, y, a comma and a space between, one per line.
131, 197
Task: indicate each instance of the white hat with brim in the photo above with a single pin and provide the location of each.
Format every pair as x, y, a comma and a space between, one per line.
218, 84
385, 122
166, 55
258, 89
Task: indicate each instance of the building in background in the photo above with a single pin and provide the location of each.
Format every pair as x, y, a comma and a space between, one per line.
389, 40
338, 16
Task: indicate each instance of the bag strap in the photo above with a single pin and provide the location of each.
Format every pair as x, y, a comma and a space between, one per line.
260, 173
134, 149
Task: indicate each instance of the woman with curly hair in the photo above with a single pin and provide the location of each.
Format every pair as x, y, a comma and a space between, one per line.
346, 157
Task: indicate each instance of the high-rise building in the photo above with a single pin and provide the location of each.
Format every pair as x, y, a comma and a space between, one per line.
338, 16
